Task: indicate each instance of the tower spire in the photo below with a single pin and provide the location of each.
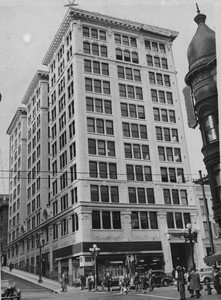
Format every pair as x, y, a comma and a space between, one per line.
199, 18
197, 7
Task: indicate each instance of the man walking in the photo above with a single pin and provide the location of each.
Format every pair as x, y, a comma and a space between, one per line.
194, 285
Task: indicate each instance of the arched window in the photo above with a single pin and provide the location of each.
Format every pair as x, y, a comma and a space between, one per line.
209, 129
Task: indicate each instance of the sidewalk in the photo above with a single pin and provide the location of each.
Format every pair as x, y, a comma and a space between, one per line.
52, 285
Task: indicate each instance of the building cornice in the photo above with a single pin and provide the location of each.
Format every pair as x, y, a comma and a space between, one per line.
39, 75
20, 111
79, 14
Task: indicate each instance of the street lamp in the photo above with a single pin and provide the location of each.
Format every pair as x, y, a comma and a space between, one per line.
94, 253
40, 245
191, 236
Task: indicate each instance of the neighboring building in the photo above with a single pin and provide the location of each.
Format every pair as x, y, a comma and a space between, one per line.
216, 232
17, 178
202, 81
3, 227
119, 173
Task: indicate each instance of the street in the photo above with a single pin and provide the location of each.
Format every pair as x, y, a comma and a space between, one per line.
34, 291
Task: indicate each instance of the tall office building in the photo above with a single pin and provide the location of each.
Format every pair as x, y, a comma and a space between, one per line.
120, 175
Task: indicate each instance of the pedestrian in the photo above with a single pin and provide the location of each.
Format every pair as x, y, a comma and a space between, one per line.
144, 283
108, 282
194, 283
126, 283
137, 282
64, 281
121, 283
90, 282
173, 274
83, 281
150, 278
181, 282
10, 267
216, 280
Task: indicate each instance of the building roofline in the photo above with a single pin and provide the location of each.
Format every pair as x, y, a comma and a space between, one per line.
39, 75
20, 111
75, 14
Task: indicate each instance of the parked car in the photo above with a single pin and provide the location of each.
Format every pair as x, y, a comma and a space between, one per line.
205, 274
9, 290
161, 278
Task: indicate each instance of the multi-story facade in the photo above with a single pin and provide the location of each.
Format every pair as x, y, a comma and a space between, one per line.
17, 179
119, 169
3, 227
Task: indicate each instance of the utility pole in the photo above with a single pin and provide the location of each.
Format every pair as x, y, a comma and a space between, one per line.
203, 180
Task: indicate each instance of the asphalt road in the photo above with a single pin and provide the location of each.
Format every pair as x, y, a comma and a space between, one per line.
31, 291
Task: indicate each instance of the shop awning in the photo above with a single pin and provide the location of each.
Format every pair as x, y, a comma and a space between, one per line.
213, 258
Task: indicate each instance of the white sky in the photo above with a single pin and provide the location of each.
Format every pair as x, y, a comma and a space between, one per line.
28, 27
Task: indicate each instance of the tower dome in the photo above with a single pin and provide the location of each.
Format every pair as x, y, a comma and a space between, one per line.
202, 48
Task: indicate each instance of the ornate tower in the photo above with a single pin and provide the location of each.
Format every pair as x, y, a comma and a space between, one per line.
201, 79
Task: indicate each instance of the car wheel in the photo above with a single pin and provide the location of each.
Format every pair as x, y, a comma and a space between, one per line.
165, 283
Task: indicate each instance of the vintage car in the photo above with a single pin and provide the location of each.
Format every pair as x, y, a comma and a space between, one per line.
161, 278
9, 290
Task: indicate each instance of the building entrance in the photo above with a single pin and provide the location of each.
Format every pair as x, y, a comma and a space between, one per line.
179, 255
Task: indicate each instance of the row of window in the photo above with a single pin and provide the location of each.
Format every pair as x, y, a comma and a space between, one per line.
101, 147
157, 62
97, 86
167, 134
154, 46
98, 105
132, 111
130, 91
136, 151
100, 126
169, 154
96, 67
102, 170
126, 55
177, 220
141, 195
65, 201
172, 175
161, 96
138, 173
106, 220
160, 79
144, 220
128, 73
134, 130
164, 115
104, 193
175, 197
125, 40
95, 49
94, 33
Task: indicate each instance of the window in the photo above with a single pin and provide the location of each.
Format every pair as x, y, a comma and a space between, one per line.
170, 220
134, 220
166, 195
106, 220
209, 131
75, 225
149, 60
153, 220
94, 193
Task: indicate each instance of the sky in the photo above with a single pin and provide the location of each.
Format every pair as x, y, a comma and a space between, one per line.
28, 28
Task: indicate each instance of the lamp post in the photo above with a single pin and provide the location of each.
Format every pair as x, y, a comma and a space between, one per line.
191, 236
40, 245
94, 253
